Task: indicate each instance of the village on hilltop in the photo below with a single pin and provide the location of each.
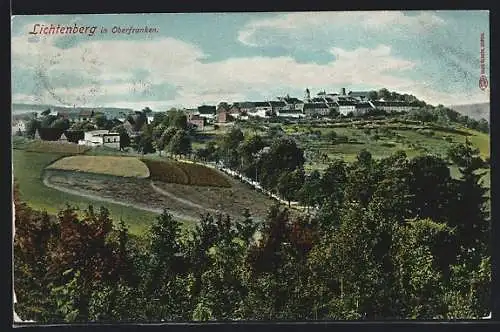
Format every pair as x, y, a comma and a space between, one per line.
323, 105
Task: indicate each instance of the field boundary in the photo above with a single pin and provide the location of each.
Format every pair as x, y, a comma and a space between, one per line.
97, 198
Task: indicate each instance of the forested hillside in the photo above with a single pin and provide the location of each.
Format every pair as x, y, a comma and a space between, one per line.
391, 238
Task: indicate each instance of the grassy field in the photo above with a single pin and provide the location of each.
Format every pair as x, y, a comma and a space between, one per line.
185, 173
382, 140
48, 146
28, 170
110, 165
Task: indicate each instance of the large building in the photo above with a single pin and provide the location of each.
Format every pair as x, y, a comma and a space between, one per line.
316, 109
101, 138
346, 107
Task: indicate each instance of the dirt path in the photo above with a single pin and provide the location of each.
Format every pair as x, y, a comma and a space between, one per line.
181, 200
175, 214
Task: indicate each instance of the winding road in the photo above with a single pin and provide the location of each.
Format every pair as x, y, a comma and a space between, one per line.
174, 214
181, 200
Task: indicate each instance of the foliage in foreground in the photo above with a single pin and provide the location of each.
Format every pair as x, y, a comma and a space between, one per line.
393, 238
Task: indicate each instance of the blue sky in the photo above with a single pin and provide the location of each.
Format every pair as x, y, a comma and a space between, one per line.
206, 58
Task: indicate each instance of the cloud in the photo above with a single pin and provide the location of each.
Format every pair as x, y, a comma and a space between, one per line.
165, 72
307, 26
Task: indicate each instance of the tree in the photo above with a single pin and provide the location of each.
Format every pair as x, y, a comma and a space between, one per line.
179, 121
31, 127
373, 95
419, 282
246, 227
483, 126
124, 136
289, 184
159, 118
384, 94
101, 121
248, 149
310, 192
62, 124
228, 147
145, 141
47, 121
469, 209
180, 144
430, 188
164, 247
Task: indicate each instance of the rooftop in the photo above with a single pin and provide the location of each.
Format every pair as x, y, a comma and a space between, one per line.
346, 103
315, 105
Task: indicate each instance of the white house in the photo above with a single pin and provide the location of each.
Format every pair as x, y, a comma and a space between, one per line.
261, 113
290, 114
263, 106
18, 125
345, 107
101, 138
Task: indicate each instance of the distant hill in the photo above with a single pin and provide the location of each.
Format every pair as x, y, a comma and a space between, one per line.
475, 111
29, 108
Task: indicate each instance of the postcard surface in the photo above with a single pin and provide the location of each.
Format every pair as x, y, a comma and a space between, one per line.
251, 166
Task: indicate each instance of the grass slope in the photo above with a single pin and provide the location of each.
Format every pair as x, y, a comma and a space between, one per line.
110, 165
28, 170
185, 173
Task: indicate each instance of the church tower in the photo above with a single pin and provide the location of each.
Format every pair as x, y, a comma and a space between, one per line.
307, 95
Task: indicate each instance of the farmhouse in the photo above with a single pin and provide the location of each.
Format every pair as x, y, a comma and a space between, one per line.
223, 116
101, 138
316, 109
262, 109
85, 115
196, 120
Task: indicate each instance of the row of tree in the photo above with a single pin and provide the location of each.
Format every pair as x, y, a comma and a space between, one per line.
394, 238
446, 116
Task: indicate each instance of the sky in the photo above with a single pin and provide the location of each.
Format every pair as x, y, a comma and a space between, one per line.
205, 58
